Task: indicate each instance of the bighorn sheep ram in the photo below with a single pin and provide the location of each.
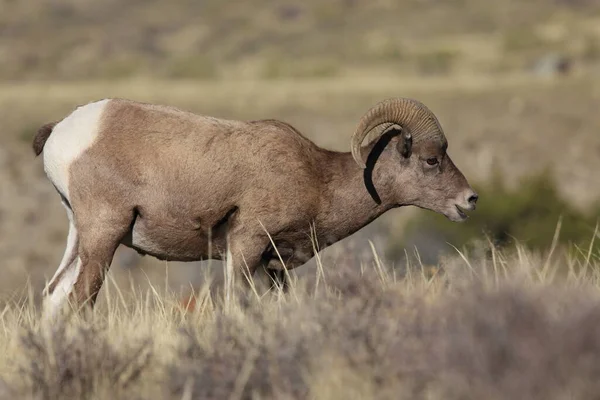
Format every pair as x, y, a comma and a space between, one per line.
174, 185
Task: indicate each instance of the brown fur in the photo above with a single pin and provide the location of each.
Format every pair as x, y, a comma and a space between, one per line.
42, 136
178, 186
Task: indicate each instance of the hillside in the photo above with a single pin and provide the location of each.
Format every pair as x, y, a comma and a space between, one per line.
83, 39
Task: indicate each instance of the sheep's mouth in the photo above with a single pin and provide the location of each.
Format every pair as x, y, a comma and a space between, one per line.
461, 212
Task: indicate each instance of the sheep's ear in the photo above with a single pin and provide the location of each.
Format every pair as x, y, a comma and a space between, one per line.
405, 144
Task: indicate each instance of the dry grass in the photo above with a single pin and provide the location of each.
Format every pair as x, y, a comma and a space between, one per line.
508, 325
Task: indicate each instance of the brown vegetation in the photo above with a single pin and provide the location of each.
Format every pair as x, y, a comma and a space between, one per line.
511, 326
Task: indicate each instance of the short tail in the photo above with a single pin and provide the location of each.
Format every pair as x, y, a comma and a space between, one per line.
42, 136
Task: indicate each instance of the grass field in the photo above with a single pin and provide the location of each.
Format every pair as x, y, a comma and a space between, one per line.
511, 325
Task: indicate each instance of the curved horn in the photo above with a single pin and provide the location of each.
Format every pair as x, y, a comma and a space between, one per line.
410, 114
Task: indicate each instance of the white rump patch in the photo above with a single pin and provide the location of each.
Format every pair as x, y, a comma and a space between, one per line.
69, 139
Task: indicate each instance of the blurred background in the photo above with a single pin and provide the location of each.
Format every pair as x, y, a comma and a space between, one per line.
515, 84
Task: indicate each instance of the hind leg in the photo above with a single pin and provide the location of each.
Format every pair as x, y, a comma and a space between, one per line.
64, 274
98, 232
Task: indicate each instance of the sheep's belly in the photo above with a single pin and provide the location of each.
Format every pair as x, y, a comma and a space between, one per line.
167, 242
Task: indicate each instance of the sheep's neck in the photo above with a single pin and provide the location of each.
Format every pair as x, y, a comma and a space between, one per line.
348, 205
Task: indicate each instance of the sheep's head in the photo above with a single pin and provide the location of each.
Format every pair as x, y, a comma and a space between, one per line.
415, 167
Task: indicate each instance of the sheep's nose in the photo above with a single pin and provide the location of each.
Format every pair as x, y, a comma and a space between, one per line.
473, 199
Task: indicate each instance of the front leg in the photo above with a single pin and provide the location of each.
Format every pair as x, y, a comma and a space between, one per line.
244, 256
278, 278
290, 255
275, 269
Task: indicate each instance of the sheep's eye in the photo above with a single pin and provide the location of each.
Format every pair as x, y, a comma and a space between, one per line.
432, 161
